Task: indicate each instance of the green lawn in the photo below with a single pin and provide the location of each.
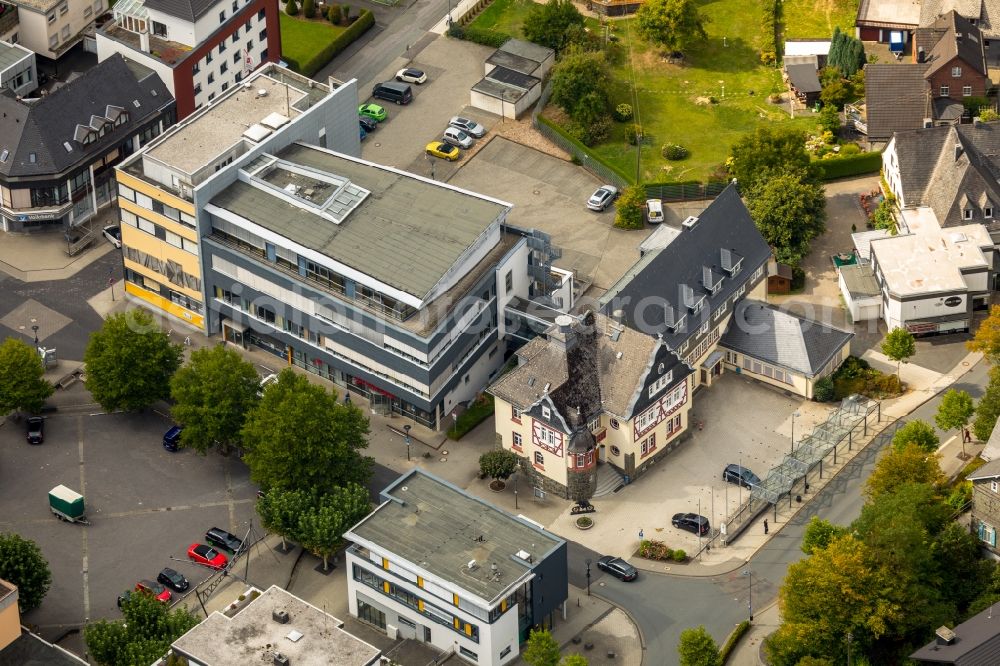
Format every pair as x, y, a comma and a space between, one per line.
301, 39
504, 15
816, 19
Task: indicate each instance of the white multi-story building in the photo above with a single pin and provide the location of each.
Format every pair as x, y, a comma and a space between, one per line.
48, 27
200, 48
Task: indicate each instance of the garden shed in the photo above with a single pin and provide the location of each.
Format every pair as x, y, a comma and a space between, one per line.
506, 92
804, 82
524, 57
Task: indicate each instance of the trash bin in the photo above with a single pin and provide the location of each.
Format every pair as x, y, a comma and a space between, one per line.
627, 479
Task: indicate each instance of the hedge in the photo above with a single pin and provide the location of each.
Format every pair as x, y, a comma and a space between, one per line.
478, 411
577, 147
851, 165
769, 30
484, 36
364, 21
734, 638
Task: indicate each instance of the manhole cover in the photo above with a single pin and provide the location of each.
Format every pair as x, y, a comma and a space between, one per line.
536, 192
444, 460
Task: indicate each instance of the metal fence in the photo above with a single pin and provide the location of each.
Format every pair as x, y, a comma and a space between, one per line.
684, 191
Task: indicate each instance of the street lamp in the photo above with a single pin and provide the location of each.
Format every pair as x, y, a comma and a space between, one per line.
588, 576
515, 492
749, 574
406, 431
34, 328
794, 414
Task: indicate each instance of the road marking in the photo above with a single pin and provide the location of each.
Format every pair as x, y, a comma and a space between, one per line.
952, 439
83, 533
139, 512
229, 497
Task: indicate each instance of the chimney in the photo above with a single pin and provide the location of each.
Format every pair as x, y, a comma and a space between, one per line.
928, 123
958, 150
144, 42
563, 337
921, 54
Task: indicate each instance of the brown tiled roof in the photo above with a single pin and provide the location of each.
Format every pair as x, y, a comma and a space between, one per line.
960, 39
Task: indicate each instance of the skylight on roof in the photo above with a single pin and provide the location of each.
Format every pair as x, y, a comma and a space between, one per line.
135, 103
69, 148
32, 158
4, 155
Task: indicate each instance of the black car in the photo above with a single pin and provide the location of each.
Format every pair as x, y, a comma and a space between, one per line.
740, 475
123, 597
36, 429
172, 439
173, 580
367, 124
223, 539
618, 568
691, 522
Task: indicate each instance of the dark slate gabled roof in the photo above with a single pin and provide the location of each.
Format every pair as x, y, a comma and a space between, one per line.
189, 10
960, 39
803, 78
977, 641
41, 127
896, 98
675, 272
783, 339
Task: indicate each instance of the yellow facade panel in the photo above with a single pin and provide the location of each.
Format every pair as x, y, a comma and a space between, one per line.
162, 250
165, 305
162, 220
162, 279
154, 192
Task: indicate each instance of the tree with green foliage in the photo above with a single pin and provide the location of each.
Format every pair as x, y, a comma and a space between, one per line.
954, 412
555, 24
280, 510
291, 8
909, 463
819, 533
130, 361
212, 396
22, 378
144, 635
698, 648
837, 93
322, 525
755, 157
988, 408
987, 337
541, 649
308, 9
581, 84
790, 211
672, 24
630, 211
829, 119
965, 574
499, 464
836, 47
333, 14
916, 432
899, 345
22, 563
300, 437
574, 660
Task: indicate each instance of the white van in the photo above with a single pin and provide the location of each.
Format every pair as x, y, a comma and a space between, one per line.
654, 211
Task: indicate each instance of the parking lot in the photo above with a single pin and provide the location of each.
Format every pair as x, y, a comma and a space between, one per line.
146, 507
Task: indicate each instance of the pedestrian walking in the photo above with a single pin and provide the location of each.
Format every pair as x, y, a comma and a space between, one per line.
765, 527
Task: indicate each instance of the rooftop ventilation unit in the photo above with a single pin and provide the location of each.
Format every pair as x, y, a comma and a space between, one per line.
524, 555
471, 566
294, 635
280, 616
945, 636
275, 120
262, 92
280, 659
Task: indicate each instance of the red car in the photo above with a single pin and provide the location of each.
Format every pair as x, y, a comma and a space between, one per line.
207, 555
157, 590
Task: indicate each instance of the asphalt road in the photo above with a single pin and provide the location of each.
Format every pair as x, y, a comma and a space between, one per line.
664, 605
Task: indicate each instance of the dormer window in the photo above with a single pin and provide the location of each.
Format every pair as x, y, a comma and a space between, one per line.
546, 413
730, 261
956, 72
711, 280
988, 212
967, 214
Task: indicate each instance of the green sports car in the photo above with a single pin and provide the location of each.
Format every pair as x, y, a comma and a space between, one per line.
373, 111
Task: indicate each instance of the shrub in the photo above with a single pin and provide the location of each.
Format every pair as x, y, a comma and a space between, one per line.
364, 21
333, 14
960, 495
623, 112
675, 151
629, 211
823, 390
346, 11
774, 98
851, 368
678, 555
769, 32
654, 550
308, 8
851, 165
480, 410
850, 149
633, 134
588, 135
291, 8
484, 36
734, 638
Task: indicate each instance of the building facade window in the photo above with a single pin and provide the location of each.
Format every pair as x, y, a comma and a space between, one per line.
966, 91
517, 442
956, 72
648, 445
515, 414
995, 486
945, 91
539, 459
988, 213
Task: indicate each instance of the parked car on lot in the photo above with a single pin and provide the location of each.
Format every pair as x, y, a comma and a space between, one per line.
367, 124
172, 439
741, 475
123, 597
469, 126
207, 555
443, 150
36, 429
457, 137
410, 75
173, 579
223, 539
114, 235
691, 522
654, 211
618, 568
155, 589
373, 111
602, 197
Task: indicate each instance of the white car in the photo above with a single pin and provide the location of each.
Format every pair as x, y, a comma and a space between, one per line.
470, 127
457, 137
410, 75
602, 198
114, 234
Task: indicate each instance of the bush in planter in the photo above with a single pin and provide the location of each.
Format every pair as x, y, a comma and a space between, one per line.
675, 151
654, 550
291, 8
333, 14
584, 521
308, 8
678, 555
623, 112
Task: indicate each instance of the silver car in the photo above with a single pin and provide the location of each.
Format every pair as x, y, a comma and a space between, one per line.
602, 198
457, 137
470, 127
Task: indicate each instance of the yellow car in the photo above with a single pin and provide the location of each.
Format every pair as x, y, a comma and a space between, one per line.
443, 150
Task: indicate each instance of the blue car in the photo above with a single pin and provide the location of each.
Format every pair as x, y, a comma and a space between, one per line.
172, 439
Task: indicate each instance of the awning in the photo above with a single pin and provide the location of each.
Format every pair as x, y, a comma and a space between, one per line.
712, 360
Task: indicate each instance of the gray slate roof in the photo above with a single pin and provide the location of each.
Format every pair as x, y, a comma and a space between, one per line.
30, 650
933, 173
990, 470
959, 39
896, 98
41, 127
803, 77
781, 338
189, 10
435, 527
659, 277
991, 452
977, 642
